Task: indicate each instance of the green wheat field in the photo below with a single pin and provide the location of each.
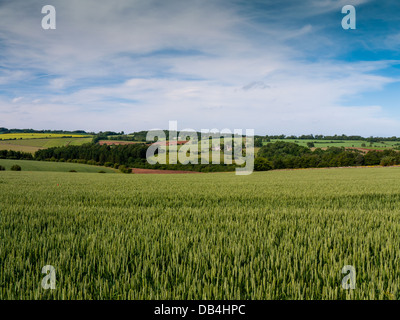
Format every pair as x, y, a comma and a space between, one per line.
270, 235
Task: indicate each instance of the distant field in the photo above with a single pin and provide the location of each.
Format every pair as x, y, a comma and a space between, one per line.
8, 136
113, 137
118, 142
342, 143
33, 145
9, 146
27, 165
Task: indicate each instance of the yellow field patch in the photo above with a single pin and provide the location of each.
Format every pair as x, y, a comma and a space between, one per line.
9, 136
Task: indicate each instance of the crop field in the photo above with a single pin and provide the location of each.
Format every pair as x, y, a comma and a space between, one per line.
33, 145
204, 152
201, 157
11, 136
118, 142
17, 147
343, 143
270, 235
28, 165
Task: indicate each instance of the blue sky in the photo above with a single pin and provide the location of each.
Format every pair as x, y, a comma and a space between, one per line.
282, 67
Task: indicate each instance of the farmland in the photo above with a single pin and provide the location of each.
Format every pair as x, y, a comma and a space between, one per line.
270, 235
28, 165
117, 142
17, 136
342, 143
35, 144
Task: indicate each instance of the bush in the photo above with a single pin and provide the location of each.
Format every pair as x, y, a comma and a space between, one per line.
262, 164
109, 164
72, 171
124, 169
16, 167
258, 143
101, 171
387, 161
2, 168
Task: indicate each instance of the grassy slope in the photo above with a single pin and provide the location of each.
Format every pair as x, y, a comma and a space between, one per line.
121, 141
270, 235
32, 145
13, 147
341, 143
52, 166
38, 135
317, 143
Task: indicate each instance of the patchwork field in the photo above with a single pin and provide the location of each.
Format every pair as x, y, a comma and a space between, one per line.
117, 142
28, 165
10, 136
33, 145
343, 143
270, 235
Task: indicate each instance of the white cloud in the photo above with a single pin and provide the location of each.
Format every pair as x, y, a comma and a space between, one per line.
225, 69
59, 83
16, 100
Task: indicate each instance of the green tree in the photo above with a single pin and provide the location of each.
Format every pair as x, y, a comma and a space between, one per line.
258, 143
124, 169
388, 161
262, 164
16, 167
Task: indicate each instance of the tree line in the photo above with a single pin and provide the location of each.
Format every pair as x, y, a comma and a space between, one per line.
322, 137
141, 135
5, 130
99, 154
278, 155
15, 155
288, 155
132, 155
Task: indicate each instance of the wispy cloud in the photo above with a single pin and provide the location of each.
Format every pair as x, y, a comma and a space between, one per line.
16, 100
134, 65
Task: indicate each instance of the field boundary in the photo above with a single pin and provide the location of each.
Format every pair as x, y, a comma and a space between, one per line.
158, 171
